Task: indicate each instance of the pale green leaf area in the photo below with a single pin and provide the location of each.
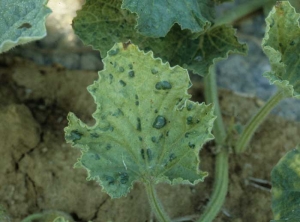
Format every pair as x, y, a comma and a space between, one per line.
21, 21
286, 187
282, 45
101, 24
156, 17
146, 128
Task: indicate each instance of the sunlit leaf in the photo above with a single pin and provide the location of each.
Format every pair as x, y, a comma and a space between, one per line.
146, 128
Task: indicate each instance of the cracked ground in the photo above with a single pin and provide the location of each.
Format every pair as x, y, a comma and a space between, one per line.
36, 167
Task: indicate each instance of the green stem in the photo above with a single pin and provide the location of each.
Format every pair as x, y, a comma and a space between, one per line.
220, 188
211, 96
221, 167
241, 11
256, 120
155, 204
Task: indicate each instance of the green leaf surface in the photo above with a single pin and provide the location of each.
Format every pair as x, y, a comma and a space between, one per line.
178, 47
156, 17
282, 45
286, 187
146, 128
21, 22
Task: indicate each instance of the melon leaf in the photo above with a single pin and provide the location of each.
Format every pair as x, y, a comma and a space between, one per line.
21, 22
156, 17
282, 45
286, 187
178, 47
146, 128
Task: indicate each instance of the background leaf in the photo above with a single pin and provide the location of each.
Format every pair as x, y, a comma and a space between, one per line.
146, 128
178, 48
282, 45
286, 187
21, 22
156, 17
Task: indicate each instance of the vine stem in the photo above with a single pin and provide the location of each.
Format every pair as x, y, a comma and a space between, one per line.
240, 11
155, 204
256, 120
221, 167
211, 96
220, 188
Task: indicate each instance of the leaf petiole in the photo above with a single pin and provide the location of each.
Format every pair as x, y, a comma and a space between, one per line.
220, 187
221, 170
256, 120
155, 204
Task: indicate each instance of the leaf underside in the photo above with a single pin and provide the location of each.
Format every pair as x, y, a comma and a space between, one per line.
102, 24
282, 45
146, 128
156, 17
286, 188
21, 22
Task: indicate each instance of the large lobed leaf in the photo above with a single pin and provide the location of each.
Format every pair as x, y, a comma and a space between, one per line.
101, 23
286, 187
282, 45
156, 17
21, 22
146, 128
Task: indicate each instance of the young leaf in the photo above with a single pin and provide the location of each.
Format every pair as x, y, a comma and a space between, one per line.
21, 22
156, 17
178, 47
146, 128
282, 45
286, 187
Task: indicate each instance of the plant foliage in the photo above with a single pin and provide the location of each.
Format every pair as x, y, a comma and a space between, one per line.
146, 128
156, 17
101, 24
21, 22
281, 44
286, 187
